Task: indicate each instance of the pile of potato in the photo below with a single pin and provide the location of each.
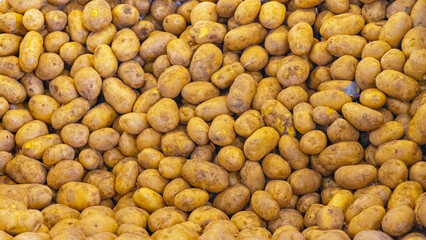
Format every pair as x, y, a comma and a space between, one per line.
212, 119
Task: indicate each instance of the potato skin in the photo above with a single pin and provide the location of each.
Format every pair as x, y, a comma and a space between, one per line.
392, 89
395, 28
416, 128
341, 154
15, 225
23, 169
244, 36
346, 23
233, 199
206, 60
405, 215
266, 137
30, 50
88, 195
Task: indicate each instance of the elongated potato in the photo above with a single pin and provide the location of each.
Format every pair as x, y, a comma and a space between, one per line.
70, 113
341, 154
361, 117
244, 36
19, 221
11, 90
264, 139
30, 50
215, 181
390, 82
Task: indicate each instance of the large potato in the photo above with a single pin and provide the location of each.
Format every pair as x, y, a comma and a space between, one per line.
214, 180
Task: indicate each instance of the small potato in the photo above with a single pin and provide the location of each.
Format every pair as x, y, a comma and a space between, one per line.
124, 15
411, 152
341, 154
169, 121
254, 58
393, 59
276, 42
280, 191
332, 98
355, 176
373, 98
103, 139
11, 46
364, 201
260, 138
104, 61
7, 140
206, 60
217, 181
77, 31
277, 116
225, 76
14, 119
275, 167
155, 45
252, 176
233, 199
302, 115
244, 36
392, 173
300, 38
330, 217
55, 20
341, 130
324, 115
414, 67
289, 148
207, 32
374, 11
172, 80
264, 205
344, 68
389, 131
337, 6
88, 195
96, 15
58, 177
395, 28
231, 158
346, 23
177, 144
416, 130
301, 16
179, 52
272, 14
405, 194
122, 101
340, 45
353, 111
375, 49
291, 96
14, 226
404, 214
319, 53
241, 93
221, 131
125, 45
248, 123
294, 70
247, 11
313, 142
103, 36
191, 198
304, 181
9, 66
369, 219
372, 234
392, 89
132, 74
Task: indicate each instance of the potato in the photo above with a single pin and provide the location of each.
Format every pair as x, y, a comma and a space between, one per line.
392, 89
215, 182
373, 98
404, 214
77, 31
302, 114
55, 20
300, 38
304, 181
172, 80
252, 176
372, 234
98, 223
405, 194
165, 217
233, 199
340, 45
341, 154
337, 6
20, 221
287, 232
124, 15
244, 36
346, 23
247, 219
294, 70
206, 60
341, 130
56, 212
332, 98
395, 28
389, 131
374, 11
330, 217
221, 131
275, 167
393, 59
353, 111
277, 116
122, 101
369, 219
392, 173
96, 15
264, 205
272, 14
32, 172
301, 16
90, 159
9, 66
381, 190
58, 177
30, 50
104, 61
375, 49
361, 203
225, 76
386, 151
416, 128
276, 42
289, 148
155, 45
125, 45
415, 64
87, 195
313, 142
355, 176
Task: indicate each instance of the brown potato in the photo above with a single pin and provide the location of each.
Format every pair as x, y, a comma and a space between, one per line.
341, 154
289, 148
395, 28
233, 199
386, 151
